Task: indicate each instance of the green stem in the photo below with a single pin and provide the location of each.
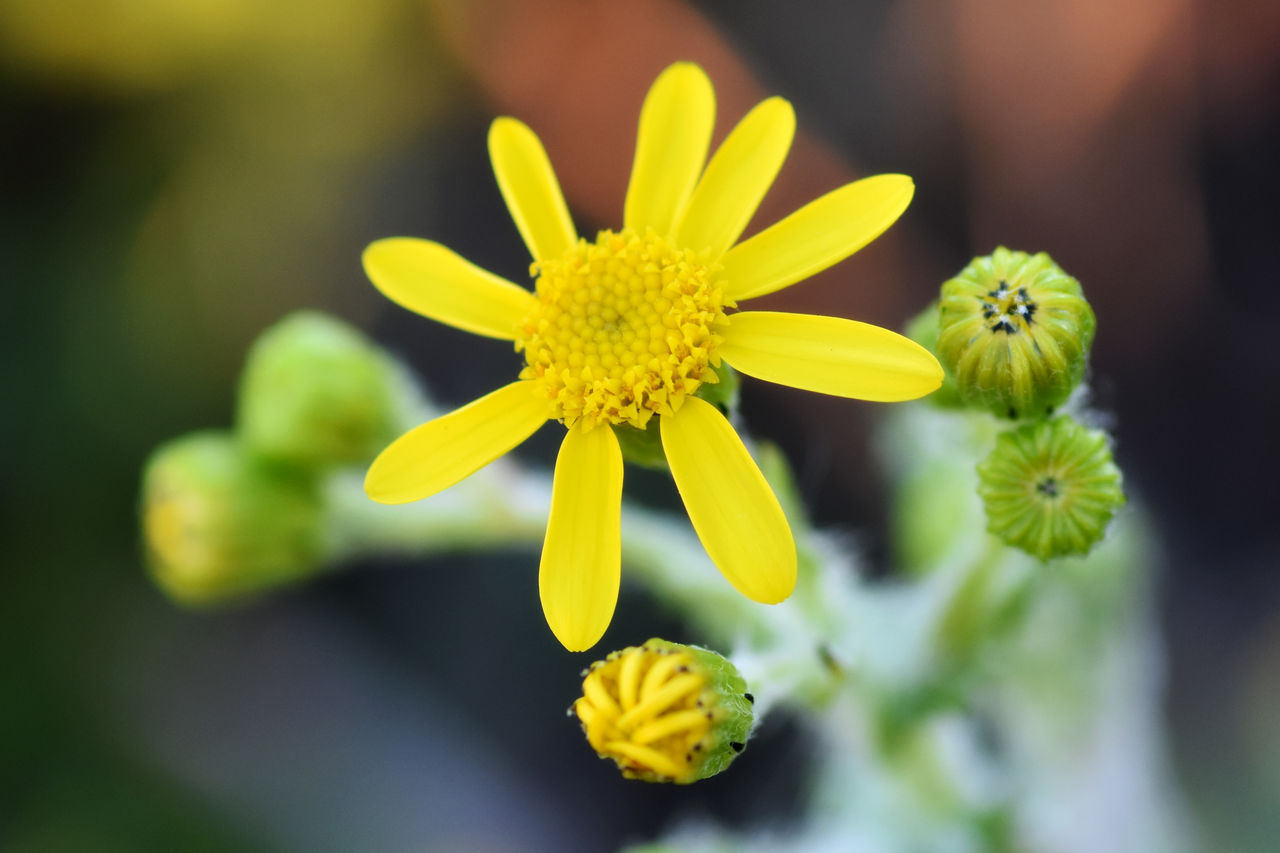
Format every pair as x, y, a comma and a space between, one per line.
499, 509
787, 646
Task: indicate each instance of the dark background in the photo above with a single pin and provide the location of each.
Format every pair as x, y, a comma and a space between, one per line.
176, 177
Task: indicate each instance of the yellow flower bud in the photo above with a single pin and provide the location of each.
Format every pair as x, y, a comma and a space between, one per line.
219, 524
665, 712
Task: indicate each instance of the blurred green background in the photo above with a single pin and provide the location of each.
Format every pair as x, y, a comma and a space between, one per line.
178, 176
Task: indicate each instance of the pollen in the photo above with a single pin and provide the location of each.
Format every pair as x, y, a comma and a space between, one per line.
624, 329
650, 709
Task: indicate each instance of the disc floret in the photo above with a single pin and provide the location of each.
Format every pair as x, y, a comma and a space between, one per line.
624, 328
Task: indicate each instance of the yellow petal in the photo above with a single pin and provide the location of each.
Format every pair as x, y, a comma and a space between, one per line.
671, 147
434, 456
582, 554
731, 506
830, 355
737, 178
529, 185
823, 232
436, 282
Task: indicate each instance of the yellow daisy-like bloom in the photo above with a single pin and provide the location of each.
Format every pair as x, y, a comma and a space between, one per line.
628, 327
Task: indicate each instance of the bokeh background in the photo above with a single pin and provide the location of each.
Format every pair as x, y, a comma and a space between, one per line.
176, 176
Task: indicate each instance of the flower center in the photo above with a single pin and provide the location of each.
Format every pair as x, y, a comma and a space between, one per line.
625, 328
1008, 310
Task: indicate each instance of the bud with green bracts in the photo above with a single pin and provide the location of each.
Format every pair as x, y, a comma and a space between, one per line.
1050, 488
1014, 331
665, 712
221, 524
315, 392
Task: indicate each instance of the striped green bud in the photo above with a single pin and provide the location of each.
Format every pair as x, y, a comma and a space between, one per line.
315, 392
1050, 487
220, 524
1014, 331
665, 712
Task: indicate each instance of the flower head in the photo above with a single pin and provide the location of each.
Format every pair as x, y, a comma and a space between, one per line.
626, 328
665, 712
220, 524
1014, 330
315, 392
1050, 487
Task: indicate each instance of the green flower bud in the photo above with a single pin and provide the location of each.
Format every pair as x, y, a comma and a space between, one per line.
665, 712
315, 392
220, 524
1050, 488
1014, 330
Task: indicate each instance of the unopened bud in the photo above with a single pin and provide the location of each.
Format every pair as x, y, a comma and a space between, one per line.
1050, 487
1014, 330
220, 524
665, 712
315, 392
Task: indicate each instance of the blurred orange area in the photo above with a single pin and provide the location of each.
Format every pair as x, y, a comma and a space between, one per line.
1063, 69
576, 72
1078, 119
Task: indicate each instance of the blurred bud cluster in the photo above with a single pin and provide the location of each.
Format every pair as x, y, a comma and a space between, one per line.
1014, 331
230, 513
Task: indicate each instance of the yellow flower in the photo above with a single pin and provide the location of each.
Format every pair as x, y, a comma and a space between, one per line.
629, 326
